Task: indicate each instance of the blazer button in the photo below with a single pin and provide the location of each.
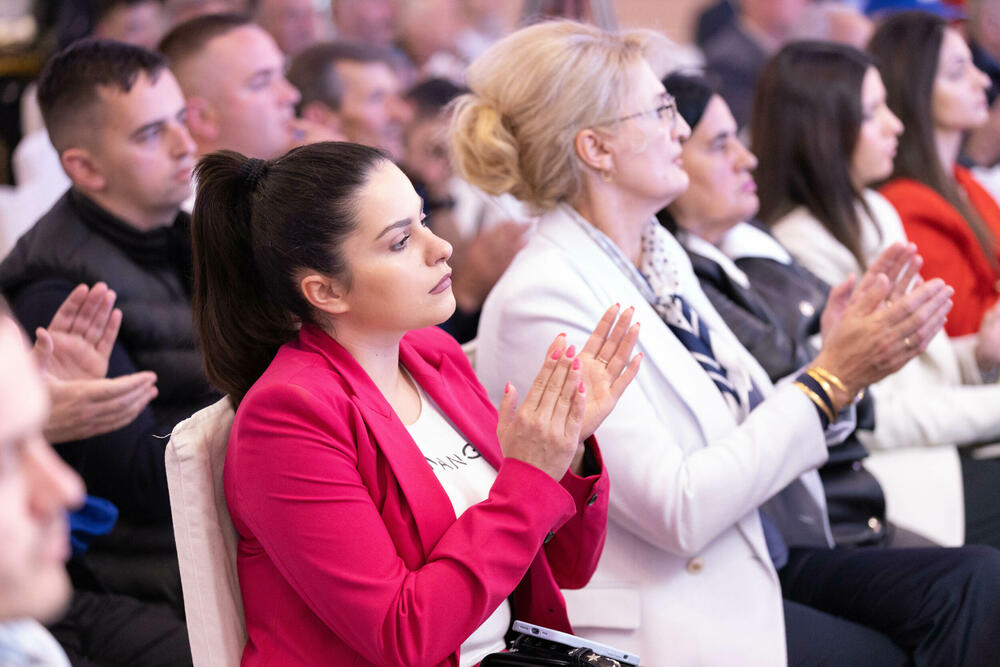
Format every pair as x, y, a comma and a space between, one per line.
875, 524
592, 500
695, 565
548, 538
806, 308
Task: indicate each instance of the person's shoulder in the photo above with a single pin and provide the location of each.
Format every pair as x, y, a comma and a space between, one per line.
904, 192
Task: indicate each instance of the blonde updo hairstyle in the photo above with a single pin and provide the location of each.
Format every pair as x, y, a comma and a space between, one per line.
532, 92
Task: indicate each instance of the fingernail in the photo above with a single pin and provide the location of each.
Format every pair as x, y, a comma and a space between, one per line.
576, 364
562, 335
556, 353
506, 388
580, 388
617, 305
630, 309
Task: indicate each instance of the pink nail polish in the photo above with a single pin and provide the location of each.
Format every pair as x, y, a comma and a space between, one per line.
571, 350
506, 388
576, 364
556, 353
580, 388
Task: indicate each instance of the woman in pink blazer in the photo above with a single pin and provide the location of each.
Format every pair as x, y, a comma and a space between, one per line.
362, 433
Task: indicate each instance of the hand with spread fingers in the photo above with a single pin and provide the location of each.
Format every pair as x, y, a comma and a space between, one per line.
72, 354
574, 391
608, 365
545, 430
886, 320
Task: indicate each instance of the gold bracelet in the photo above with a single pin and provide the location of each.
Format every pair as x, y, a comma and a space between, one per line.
817, 400
821, 381
834, 380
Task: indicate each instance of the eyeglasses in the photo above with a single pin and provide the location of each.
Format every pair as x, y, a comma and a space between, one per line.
666, 110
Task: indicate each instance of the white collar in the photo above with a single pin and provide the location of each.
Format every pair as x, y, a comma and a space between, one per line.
700, 246
746, 240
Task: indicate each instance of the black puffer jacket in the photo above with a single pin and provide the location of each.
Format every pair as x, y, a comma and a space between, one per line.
77, 241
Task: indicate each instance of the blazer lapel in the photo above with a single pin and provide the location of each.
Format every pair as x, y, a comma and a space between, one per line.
449, 388
432, 510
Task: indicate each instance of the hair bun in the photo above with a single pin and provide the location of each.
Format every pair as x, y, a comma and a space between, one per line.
486, 152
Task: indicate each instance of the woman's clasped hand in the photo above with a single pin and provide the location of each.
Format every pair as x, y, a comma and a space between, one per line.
571, 395
875, 328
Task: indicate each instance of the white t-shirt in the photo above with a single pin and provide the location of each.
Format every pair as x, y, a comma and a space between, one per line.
467, 478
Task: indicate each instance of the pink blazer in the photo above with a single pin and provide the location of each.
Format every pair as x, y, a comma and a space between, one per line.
349, 550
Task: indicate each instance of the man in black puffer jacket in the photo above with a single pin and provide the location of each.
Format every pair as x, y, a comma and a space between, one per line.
116, 115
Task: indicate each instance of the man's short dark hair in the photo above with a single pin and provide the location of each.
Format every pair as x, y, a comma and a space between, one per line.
187, 39
431, 96
312, 71
68, 87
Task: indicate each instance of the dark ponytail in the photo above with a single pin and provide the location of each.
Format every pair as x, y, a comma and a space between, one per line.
255, 226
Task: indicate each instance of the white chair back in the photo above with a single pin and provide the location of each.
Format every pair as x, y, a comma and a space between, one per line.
205, 535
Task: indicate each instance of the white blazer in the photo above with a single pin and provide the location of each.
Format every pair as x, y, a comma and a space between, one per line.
685, 577
938, 400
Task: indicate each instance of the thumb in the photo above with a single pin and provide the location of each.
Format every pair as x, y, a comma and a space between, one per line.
43, 348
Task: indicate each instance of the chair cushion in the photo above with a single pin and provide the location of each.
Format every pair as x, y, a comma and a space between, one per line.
206, 538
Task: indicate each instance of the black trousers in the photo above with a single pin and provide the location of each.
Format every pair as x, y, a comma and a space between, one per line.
935, 606
981, 484
106, 629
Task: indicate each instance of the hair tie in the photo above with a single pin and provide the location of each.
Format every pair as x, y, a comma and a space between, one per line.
253, 170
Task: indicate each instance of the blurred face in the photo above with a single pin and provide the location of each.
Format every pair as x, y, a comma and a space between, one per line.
647, 147
878, 135
776, 17
140, 24
143, 151
958, 100
36, 489
372, 112
252, 104
365, 20
427, 153
400, 279
722, 191
294, 24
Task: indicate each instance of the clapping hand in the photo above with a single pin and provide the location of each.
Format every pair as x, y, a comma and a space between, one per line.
570, 397
72, 353
607, 367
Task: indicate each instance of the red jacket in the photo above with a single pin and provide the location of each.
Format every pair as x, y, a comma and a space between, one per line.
349, 550
949, 248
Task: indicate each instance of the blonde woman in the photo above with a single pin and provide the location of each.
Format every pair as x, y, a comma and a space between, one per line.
573, 121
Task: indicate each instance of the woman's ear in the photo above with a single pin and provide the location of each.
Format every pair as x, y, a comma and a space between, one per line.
324, 293
593, 150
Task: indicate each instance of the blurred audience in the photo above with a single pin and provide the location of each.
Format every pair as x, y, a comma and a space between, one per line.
138, 22
485, 232
738, 50
939, 94
294, 24
369, 21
